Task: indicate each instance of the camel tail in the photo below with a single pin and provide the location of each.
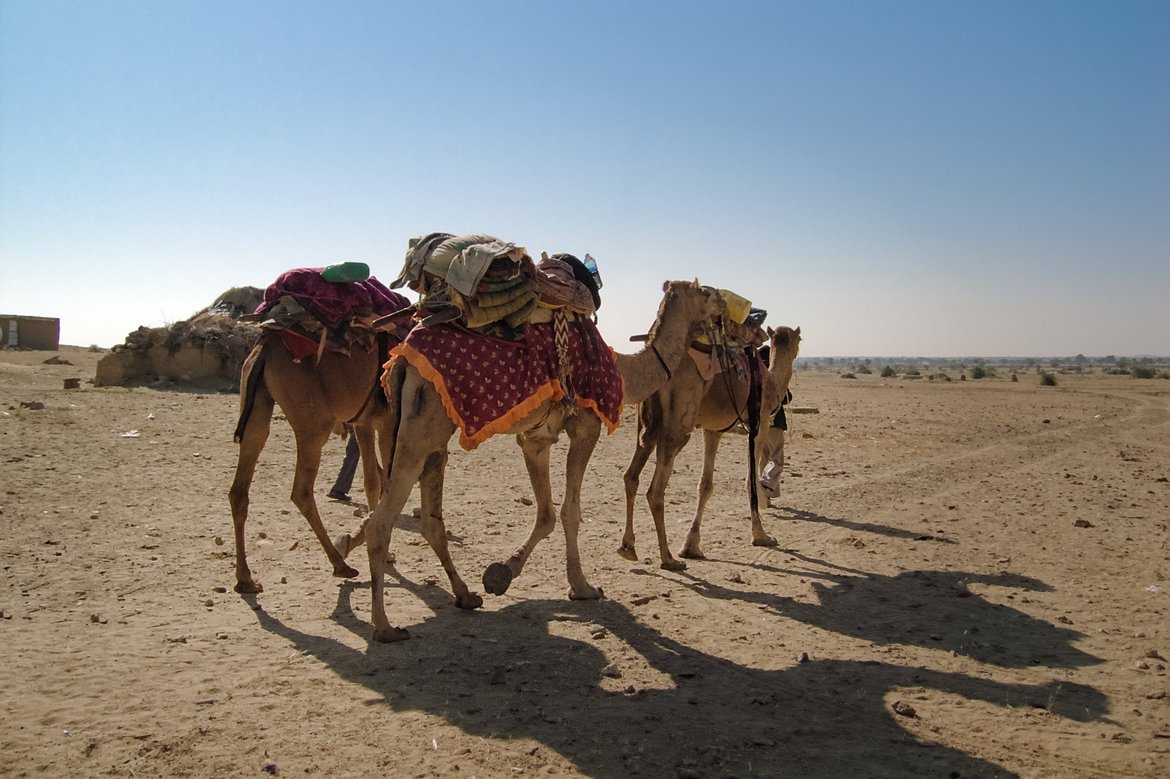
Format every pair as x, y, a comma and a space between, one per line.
251, 377
392, 392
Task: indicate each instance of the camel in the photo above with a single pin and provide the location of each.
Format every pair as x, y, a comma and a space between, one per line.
424, 430
717, 405
317, 395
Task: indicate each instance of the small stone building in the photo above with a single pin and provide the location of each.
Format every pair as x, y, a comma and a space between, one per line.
30, 332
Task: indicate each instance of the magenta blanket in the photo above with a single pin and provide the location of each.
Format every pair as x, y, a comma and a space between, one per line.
332, 302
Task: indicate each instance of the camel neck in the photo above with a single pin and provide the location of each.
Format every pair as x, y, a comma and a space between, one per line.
645, 371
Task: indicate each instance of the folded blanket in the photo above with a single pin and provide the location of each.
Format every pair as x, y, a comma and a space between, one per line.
463, 260
418, 249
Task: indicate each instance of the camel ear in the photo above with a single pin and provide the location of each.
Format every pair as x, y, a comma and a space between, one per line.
543, 256
696, 283
797, 331
666, 286
771, 332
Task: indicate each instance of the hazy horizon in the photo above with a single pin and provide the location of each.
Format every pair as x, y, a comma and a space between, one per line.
898, 177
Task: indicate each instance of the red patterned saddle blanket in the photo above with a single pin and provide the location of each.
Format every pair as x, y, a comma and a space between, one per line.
488, 384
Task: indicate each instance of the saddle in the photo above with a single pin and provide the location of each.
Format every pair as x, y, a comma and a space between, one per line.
493, 287
313, 314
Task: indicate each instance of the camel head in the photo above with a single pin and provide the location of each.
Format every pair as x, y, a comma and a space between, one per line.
712, 306
691, 302
784, 341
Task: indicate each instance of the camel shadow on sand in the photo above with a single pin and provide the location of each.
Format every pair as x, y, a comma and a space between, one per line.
792, 514
931, 609
534, 670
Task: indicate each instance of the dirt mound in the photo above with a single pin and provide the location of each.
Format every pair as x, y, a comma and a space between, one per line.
208, 348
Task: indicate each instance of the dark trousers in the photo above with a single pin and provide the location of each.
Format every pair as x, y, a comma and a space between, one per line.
348, 467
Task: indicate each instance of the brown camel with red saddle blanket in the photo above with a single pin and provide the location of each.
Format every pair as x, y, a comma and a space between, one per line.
319, 358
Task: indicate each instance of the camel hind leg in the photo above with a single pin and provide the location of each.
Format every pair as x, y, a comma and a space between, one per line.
434, 530
310, 441
423, 431
584, 429
253, 434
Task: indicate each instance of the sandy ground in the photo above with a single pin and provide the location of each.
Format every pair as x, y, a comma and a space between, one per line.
971, 581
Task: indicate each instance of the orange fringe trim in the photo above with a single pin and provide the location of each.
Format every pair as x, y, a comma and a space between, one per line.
551, 391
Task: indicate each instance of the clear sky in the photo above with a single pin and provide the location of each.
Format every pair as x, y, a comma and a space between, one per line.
897, 177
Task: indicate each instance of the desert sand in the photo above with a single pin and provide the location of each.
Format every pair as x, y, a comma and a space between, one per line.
970, 581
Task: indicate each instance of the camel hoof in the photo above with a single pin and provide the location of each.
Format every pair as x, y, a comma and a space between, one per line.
250, 587
389, 635
765, 541
592, 593
469, 601
692, 554
342, 544
345, 571
628, 553
673, 565
497, 578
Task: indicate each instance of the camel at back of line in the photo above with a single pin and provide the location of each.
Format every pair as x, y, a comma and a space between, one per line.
716, 406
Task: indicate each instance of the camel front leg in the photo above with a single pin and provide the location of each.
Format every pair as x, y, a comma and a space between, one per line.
668, 449
768, 467
535, 446
251, 444
771, 463
584, 429
374, 480
691, 548
642, 451
309, 445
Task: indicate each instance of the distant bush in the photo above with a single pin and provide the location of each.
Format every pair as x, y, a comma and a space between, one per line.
848, 376
1047, 380
913, 372
864, 369
888, 372
1142, 372
982, 372
1118, 371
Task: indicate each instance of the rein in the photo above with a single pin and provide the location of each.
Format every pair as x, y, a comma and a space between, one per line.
754, 391
729, 385
662, 362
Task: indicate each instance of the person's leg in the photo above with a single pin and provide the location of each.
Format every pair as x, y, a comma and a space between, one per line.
340, 489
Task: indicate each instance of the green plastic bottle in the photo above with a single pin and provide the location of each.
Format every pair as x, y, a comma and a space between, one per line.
346, 271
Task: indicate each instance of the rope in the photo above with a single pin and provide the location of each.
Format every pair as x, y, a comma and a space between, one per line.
561, 340
753, 402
